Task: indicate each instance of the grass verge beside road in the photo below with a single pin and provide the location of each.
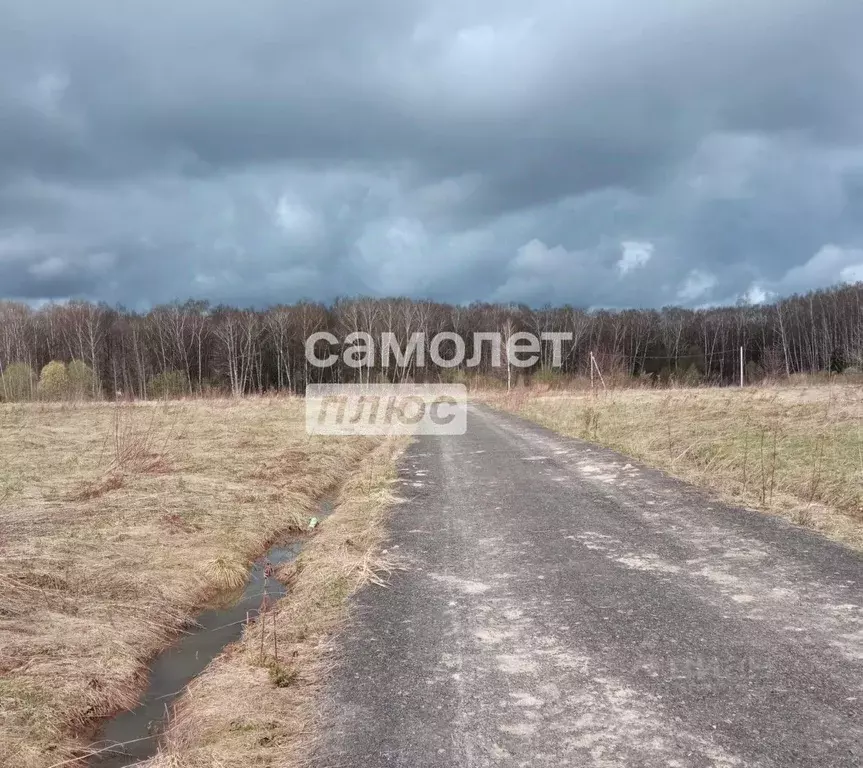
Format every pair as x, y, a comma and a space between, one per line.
797, 452
116, 524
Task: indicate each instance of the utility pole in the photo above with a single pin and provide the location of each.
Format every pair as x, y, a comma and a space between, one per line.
591, 372
741, 366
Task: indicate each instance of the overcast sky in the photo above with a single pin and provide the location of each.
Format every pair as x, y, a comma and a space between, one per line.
595, 152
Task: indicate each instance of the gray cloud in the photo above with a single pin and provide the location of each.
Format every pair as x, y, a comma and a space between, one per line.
269, 151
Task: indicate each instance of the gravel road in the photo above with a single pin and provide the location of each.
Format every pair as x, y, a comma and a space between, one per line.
565, 606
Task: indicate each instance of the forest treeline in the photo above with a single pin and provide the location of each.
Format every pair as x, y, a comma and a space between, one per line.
194, 348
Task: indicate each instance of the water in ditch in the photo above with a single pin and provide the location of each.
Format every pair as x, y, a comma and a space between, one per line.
133, 736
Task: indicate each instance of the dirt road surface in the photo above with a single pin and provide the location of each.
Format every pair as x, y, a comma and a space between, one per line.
565, 606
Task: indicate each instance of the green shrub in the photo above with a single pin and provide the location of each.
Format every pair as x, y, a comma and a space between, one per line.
169, 384
82, 380
54, 381
17, 382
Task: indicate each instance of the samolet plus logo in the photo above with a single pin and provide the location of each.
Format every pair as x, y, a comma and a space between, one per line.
386, 409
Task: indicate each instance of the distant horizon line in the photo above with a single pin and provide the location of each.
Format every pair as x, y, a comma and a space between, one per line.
211, 305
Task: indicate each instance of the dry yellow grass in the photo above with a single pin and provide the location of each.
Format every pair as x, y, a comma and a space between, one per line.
257, 703
792, 451
116, 523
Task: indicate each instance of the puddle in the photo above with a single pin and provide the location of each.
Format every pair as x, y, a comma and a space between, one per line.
133, 736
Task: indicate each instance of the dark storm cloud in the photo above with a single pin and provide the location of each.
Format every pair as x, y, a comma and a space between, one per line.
610, 153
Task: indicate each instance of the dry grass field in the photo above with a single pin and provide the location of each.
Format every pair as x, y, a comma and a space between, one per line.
795, 451
117, 523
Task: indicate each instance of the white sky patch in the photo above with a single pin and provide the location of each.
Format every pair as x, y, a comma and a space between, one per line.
635, 255
757, 295
537, 268
696, 285
537, 257
493, 64
296, 219
852, 274
832, 263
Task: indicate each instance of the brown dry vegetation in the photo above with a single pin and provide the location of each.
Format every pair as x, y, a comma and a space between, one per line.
795, 451
116, 523
257, 703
